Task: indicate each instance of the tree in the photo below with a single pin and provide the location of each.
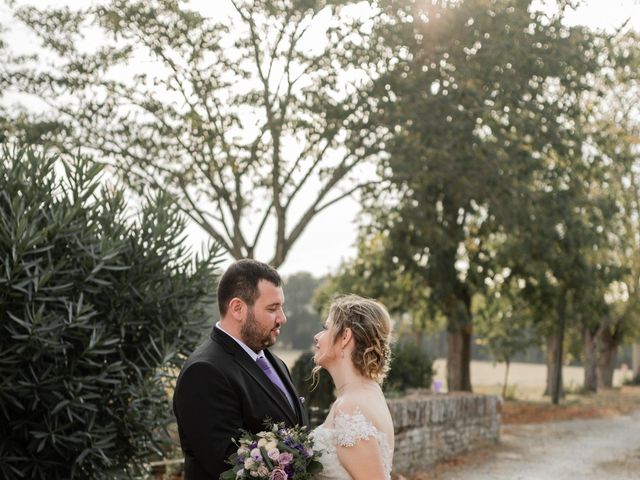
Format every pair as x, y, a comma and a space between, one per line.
303, 322
98, 309
617, 135
371, 273
553, 255
482, 96
236, 123
604, 302
505, 326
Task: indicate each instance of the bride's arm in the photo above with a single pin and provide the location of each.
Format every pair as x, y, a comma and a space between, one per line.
363, 461
356, 443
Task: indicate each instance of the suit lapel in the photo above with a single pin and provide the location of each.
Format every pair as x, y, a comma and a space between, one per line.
246, 363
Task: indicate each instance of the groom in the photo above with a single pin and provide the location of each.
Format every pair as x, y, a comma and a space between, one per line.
232, 381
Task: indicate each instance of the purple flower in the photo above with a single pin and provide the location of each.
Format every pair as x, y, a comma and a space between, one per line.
256, 455
289, 470
278, 474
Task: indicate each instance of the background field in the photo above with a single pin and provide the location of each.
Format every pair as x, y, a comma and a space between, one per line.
526, 380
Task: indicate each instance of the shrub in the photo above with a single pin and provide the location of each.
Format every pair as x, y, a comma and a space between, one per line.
411, 367
633, 380
322, 395
97, 310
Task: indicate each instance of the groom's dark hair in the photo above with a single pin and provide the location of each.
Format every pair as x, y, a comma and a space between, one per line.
241, 280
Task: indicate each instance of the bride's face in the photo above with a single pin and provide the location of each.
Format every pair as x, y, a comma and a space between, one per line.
324, 345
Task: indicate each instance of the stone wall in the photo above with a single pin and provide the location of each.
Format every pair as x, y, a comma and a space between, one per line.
431, 428
428, 428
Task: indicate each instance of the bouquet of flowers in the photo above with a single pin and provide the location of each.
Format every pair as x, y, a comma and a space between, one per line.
278, 453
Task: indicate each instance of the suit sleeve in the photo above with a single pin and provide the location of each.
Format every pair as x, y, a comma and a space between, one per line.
210, 416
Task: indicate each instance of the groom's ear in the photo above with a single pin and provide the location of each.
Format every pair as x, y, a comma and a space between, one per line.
237, 308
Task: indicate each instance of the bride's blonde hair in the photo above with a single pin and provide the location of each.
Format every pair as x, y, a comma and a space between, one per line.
371, 327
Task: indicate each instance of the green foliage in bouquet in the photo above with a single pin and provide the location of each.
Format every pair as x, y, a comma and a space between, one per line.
97, 309
277, 453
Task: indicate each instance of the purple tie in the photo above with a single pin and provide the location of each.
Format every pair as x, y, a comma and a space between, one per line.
264, 364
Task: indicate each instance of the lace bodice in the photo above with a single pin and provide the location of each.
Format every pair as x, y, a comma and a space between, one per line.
348, 430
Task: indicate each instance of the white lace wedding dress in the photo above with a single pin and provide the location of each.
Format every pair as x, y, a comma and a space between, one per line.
348, 430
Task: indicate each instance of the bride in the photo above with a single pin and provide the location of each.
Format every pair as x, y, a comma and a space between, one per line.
357, 436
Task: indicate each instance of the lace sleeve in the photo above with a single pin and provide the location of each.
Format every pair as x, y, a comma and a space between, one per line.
351, 428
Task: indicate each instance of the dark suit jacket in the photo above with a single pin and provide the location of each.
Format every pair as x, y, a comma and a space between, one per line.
220, 390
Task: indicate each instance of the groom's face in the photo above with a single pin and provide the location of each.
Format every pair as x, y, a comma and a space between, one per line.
261, 326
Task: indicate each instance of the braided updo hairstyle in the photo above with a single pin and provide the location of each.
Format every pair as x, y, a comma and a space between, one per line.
370, 326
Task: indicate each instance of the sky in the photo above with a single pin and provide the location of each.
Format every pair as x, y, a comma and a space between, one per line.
329, 238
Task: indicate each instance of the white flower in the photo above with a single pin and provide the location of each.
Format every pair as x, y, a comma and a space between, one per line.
273, 454
262, 442
271, 445
240, 473
248, 463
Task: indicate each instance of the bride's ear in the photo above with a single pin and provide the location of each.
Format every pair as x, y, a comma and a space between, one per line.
347, 335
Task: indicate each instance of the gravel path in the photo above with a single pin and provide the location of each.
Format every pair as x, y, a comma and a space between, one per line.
602, 449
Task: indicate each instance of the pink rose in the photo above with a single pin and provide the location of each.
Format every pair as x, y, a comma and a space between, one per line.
285, 458
278, 474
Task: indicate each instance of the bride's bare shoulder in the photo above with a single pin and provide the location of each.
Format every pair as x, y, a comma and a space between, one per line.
372, 406
360, 403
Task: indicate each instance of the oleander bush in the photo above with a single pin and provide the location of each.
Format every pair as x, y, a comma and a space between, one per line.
98, 307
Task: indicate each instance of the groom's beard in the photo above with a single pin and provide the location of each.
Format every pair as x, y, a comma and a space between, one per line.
254, 335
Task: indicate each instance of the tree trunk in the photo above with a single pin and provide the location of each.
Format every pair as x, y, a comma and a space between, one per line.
506, 379
458, 361
550, 357
635, 361
556, 380
458, 345
418, 336
590, 363
556, 390
607, 353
